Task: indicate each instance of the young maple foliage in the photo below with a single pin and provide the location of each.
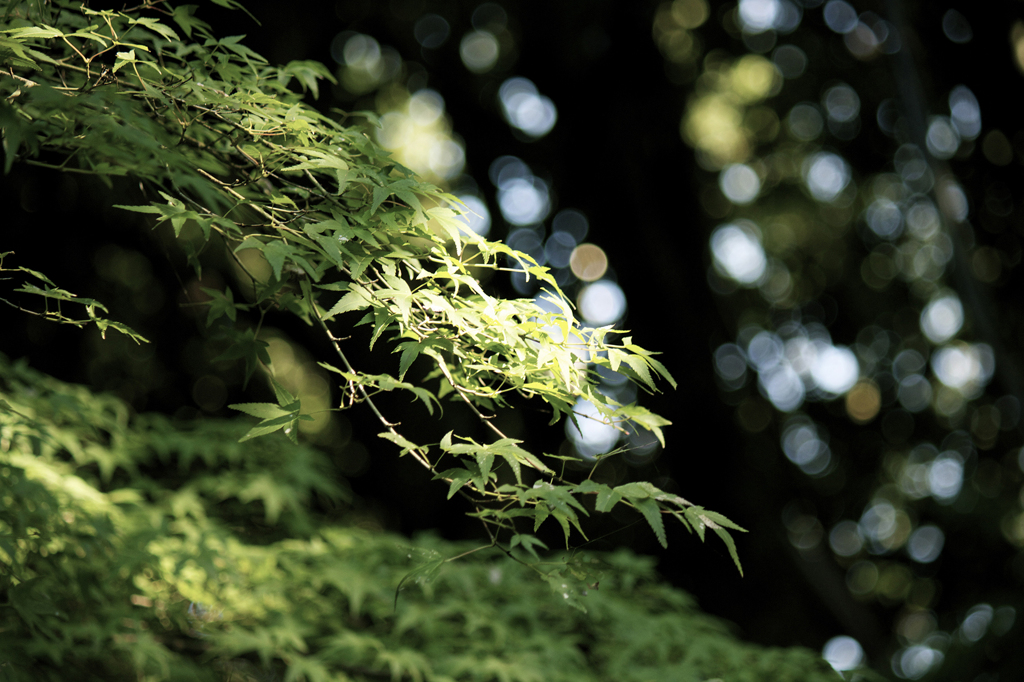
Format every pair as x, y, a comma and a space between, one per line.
108, 568
214, 131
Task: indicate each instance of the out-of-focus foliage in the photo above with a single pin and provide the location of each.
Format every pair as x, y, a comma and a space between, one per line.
134, 547
863, 232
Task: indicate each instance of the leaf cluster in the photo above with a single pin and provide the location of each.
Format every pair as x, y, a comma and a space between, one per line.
349, 237
110, 572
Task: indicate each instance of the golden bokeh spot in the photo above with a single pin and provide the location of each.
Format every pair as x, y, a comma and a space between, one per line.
985, 423
718, 122
690, 13
1013, 528
863, 401
782, 234
894, 582
295, 370
671, 29
679, 46
763, 123
862, 578
915, 625
1017, 38
357, 80
997, 149
209, 393
986, 264
949, 402
714, 124
418, 133
753, 78
250, 262
588, 262
902, 527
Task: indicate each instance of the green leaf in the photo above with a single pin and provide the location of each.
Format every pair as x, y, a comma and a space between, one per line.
276, 253
124, 58
245, 346
425, 396
566, 588
379, 195
183, 16
642, 495
731, 545
458, 478
527, 542
509, 449
140, 209
606, 497
153, 25
647, 356
410, 351
637, 490
484, 460
222, 305
424, 573
284, 397
402, 442
647, 419
268, 426
308, 670
382, 320
639, 366
357, 299
261, 410
714, 518
693, 515
308, 73
652, 512
557, 501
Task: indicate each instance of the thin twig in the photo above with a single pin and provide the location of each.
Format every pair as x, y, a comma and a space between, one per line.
417, 455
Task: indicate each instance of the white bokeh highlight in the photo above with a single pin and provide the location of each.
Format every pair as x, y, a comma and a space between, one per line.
739, 183
738, 254
601, 303
826, 175
942, 318
843, 653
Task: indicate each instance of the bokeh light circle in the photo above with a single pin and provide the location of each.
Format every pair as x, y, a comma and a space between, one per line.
525, 108
840, 16
863, 401
804, 122
843, 653
739, 183
925, 544
479, 51
477, 217
942, 318
588, 262
601, 303
524, 201
738, 253
591, 433
826, 175
835, 369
